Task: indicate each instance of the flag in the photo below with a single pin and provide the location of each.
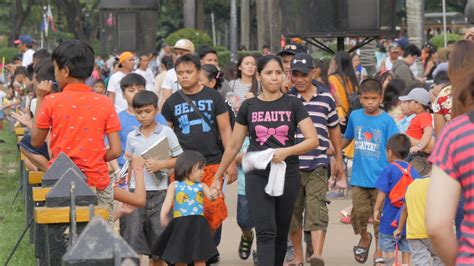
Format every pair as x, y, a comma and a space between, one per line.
49, 16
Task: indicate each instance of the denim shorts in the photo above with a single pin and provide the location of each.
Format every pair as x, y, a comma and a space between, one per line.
25, 143
387, 243
243, 214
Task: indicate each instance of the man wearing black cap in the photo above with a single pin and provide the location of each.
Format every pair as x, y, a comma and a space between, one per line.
286, 56
25, 45
314, 165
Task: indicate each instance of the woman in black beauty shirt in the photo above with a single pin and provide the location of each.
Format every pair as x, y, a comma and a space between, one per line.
271, 120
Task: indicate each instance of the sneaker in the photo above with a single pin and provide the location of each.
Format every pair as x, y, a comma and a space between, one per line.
345, 220
254, 257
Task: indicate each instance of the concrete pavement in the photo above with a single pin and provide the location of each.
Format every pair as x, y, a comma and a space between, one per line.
339, 239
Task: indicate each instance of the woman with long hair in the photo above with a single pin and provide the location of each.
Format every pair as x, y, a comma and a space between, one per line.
343, 83
271, 120
245, 86
453, 165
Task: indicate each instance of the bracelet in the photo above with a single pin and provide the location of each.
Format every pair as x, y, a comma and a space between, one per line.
137, 169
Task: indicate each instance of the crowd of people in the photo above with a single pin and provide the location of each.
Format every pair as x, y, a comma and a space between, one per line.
293, 132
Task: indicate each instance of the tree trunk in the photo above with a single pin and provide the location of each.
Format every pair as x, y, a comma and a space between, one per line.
415, 14
200, 16
469, 11
244, 23
263, 23
72, 10
233, 31
415, 26
21, 15
274, 16
189, 13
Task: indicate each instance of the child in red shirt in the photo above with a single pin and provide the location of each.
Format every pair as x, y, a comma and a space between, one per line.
420, 130
78, 118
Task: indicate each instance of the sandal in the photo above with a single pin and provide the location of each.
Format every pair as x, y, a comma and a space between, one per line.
245, 247
381, 260
362, 253
316, 261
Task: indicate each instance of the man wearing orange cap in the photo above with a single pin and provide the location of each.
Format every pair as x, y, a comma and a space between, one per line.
170, 83
126, 63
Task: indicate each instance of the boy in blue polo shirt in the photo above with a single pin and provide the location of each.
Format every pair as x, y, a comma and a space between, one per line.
314, 165
371, 128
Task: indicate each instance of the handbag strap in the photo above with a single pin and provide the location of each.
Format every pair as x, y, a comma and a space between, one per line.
196, 110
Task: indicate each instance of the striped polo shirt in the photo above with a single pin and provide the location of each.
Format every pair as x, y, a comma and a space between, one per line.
454, 154
322, 110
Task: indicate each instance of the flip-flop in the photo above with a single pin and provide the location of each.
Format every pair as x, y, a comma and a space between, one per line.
362, 252
386, 261
316, 261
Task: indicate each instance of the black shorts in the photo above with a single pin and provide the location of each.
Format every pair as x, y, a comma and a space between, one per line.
142, 229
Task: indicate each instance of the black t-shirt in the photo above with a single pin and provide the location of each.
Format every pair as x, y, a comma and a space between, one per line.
192, 131
273, 125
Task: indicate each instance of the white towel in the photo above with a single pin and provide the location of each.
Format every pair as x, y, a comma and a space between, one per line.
259, 160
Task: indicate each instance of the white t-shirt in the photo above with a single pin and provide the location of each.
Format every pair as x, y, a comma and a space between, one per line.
114, 86
171, 81
149, 77
2, 95
27, 58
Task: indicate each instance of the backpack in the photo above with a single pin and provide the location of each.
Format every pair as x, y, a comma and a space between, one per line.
397, 195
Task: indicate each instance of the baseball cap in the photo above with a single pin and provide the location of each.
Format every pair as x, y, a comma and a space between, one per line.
292, 49
184, 44
417, 94
393, 47
302, 62
125, 56
26, 39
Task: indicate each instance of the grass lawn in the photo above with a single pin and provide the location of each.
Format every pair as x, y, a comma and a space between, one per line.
12, 218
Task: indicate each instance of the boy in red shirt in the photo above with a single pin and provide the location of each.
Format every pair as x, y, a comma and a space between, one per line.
420, 130
78, 118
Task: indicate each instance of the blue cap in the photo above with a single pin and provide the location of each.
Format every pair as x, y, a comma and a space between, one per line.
25, 39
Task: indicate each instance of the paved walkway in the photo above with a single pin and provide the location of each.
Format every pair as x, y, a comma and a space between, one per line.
339, 240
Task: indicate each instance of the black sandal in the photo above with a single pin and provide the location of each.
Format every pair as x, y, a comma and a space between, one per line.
245, 247
362, 253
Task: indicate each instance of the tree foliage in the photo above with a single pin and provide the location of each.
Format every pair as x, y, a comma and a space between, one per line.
199, 38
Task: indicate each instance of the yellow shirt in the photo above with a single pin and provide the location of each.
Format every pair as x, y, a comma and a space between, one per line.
340, 95
415, 201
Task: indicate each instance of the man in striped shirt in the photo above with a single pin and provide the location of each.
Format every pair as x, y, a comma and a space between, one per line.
314, 165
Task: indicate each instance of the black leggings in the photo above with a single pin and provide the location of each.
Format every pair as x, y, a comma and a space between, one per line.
271, 216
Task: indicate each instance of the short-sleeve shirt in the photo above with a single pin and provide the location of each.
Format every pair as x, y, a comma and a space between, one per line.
418, 124
27, 58
171, 81
149, 78
387, 179
273, 124
415, 202
138, 143
130, 123
371, 134
454, 154
322, 110
114, 86
192, 131
79, 120
443, 103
